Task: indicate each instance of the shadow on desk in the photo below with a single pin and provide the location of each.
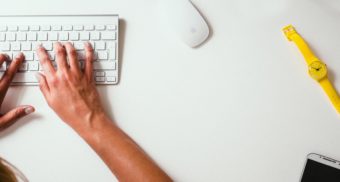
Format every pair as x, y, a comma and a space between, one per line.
103, 91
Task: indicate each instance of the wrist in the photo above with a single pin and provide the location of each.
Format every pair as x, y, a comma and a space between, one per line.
93, 124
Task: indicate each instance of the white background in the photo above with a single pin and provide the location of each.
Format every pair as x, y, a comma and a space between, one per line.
239, 108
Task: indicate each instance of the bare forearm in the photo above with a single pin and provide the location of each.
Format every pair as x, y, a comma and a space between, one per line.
121, 154
85, 114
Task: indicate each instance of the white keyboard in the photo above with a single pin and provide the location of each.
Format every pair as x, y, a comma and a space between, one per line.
24, 33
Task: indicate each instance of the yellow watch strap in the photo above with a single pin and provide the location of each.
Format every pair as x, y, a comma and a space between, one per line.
292, 35
331, 93
327, 86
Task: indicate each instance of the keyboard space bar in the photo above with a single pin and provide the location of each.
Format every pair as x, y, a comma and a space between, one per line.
28, 77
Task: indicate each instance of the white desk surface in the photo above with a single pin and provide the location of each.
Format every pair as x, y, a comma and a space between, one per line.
240, 108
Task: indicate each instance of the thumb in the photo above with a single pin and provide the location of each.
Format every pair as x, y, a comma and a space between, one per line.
13, 115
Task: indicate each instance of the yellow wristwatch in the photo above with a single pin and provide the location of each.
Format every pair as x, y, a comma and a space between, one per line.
316, 68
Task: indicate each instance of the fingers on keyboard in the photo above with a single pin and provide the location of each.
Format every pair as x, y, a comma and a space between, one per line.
101, 58
89, 61
45, 61
60, 53
73, 58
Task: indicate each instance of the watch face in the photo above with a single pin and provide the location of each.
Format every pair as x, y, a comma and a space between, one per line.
317, 70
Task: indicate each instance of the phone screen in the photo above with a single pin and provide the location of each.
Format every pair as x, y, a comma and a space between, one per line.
318, 172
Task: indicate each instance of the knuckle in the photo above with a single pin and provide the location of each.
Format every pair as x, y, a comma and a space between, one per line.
41, 87
90, 56
54, 80
73, 52
17, 113
60, 50
40, 49
90, 50
44, 60
70, 78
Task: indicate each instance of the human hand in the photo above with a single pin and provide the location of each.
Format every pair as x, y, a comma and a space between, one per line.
69, 91
13, 115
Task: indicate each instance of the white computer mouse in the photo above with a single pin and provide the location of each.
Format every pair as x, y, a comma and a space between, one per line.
185, 20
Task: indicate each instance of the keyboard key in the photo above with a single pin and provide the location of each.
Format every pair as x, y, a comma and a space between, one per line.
67, 27
35, 56
32, 36
23, 28
79, 45
100, 73
15, 54
2, 36
100, 27
3, 28
111, 45
10, 36
56, 27
110, 73
34, 27
84, 36
35, 45
100, 79
95, 35
21, 36
63, 36
29, 56
102, 55
108, 35
52, 36
45, 27
16, 46
5, 46
111, 79
89, 27
26, 46
111, 27
104, 65
42, 36
100, 45
27, 77
33, 66
12, 28
78, 27
74, 36
112, 54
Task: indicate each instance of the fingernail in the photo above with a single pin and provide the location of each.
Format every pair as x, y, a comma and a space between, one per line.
39, 46
19, 56
88, 44
29, 110
37, 76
